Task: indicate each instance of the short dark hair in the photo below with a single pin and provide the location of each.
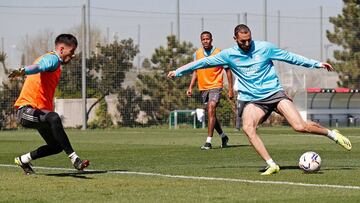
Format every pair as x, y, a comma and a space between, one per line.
241, 28
206, 32
67, 39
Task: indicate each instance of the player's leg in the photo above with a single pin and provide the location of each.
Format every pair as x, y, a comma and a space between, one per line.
289, 111
215, 95
251, 117
56, 130
211, 124
205, 98
29, 118
212, 97
218, 128
50, 148
50, 128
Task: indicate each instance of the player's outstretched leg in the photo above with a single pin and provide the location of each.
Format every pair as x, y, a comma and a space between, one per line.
341, 140
25, 166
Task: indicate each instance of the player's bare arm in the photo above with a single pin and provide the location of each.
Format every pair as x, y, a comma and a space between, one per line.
192, 83
230, 82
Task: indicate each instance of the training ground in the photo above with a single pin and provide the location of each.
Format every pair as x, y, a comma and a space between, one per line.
162, 165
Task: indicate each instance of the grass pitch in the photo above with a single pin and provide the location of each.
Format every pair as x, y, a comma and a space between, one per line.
161, 165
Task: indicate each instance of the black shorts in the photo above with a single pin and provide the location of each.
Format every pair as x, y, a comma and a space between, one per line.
32, 118
268, 105
211, 95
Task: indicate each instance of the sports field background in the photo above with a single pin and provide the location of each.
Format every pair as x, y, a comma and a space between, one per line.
118, 157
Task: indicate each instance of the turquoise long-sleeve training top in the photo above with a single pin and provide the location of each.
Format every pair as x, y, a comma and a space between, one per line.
255, 71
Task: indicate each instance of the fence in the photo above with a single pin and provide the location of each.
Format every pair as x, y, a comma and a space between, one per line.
126, 74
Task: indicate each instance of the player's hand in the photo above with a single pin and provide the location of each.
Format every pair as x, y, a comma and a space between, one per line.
17, 73
231, 94
171, 74
189, 92
327, 66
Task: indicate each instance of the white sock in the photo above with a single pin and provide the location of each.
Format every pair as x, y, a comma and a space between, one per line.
208, 139
270, 162
332, 135
222, 135
73, 157
26, 158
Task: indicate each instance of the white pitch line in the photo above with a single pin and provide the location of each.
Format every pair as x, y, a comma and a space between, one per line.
202, 178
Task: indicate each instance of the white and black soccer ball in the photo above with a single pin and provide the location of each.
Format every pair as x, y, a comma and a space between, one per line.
310, 162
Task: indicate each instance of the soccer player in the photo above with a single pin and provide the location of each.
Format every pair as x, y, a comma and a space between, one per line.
35, 104
210, 84
259, 88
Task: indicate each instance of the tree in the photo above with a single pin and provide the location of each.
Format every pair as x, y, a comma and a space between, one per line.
2, 61
44, 41
9, 91
347, 35
106, 71
129, 106
161, 95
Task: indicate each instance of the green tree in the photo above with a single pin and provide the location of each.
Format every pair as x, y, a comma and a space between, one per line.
129, 106
161, 95
347, 35
106, 71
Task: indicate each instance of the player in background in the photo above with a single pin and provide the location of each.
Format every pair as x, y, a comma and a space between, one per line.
210, 84
260, 90
35, 104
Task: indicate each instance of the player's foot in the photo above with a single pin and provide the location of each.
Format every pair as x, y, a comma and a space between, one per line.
206, 146
224, 141
81, 164
342, 140
271, 170
26, 167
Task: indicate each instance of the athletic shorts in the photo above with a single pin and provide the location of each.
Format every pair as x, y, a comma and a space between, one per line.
211, 95
268, 105
32, 118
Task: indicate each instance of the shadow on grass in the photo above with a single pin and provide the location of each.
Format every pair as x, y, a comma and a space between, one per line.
82, 174
232, 146
319, 172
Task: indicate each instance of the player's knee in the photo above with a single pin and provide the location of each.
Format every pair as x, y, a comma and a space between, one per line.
300, 127
211, 111
53, 118
248, 129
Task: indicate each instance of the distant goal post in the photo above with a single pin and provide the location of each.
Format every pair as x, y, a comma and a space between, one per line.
179, 118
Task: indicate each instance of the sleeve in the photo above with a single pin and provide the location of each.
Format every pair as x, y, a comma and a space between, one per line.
283, 55
49, 63
220, 59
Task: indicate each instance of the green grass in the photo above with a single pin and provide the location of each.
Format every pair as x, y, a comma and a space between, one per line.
177, 152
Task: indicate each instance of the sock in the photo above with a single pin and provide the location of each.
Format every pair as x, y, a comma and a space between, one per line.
208, 139
270, 162
26, 158
73, 157
332, 135
222, 135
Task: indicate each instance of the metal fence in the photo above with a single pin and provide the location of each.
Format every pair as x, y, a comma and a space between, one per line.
126, 70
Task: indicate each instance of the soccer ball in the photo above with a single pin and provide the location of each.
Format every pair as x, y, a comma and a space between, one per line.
310, 162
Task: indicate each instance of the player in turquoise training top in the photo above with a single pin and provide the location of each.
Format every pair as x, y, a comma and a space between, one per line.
259, 89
